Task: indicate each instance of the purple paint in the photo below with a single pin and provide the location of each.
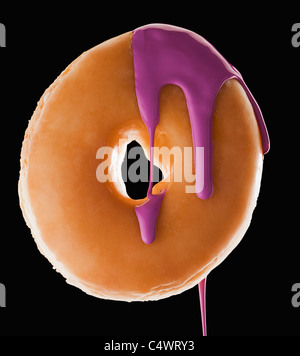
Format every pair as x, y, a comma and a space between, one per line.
165, 54
148, 212
202, 297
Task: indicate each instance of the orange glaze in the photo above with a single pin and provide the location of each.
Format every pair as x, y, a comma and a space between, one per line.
88, 230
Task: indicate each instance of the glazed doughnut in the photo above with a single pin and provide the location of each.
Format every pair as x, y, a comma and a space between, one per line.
90, 230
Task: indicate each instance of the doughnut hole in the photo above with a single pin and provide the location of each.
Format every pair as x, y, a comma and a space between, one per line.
135, 134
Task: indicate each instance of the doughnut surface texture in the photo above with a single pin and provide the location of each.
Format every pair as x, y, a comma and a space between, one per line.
87, 229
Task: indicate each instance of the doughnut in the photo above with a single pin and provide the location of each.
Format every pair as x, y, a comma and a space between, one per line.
164, 87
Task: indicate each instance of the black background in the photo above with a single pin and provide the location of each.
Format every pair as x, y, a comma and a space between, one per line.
250, 292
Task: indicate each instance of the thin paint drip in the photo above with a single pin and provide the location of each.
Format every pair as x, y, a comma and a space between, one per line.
202, 298
147, 213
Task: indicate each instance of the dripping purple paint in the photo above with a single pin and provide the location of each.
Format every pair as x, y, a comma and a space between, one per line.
173, 55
